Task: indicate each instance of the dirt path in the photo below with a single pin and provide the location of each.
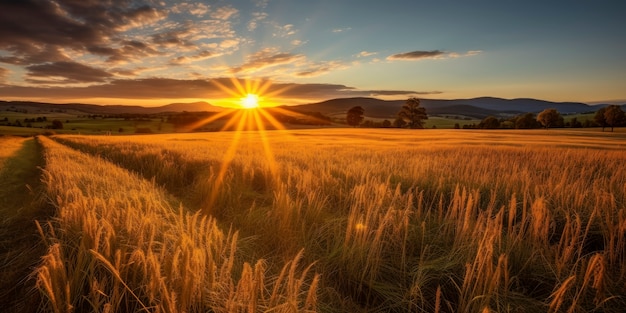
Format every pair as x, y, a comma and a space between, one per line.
21, 203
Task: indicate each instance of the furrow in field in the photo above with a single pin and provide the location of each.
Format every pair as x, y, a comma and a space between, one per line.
21, 205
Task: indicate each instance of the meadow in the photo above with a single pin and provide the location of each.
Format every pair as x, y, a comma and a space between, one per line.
326, 220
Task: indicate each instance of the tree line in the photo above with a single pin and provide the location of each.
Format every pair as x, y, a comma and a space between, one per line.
412, 115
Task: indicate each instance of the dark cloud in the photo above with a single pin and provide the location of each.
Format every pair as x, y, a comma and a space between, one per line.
128, 50
164, 88
416, 55
402, 92
173, 38
188, 59
69, 72
29, 29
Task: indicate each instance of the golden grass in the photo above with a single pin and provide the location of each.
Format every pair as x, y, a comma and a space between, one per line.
395, 220
9, 146
119, 243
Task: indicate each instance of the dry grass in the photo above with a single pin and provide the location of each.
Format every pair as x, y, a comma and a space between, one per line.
118, 244
395, 220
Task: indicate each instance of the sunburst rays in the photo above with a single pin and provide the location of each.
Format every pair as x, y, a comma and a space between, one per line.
254, 120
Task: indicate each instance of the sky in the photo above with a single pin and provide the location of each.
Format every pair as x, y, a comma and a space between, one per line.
156, 52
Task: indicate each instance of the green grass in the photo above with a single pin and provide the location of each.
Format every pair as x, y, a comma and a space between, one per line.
21, 204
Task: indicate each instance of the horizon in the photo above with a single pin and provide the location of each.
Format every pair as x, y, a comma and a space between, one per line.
153, 54
615, 102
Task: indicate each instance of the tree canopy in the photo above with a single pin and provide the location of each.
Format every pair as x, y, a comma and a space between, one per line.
354, 116
611, 116
549, 118
413, 113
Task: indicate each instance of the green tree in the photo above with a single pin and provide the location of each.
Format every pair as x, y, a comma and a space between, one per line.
354, 116
413, 113
549, 117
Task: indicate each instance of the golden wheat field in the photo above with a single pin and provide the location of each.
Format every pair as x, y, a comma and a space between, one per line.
325, 220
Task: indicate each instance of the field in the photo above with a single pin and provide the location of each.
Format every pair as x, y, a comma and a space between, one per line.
324, 220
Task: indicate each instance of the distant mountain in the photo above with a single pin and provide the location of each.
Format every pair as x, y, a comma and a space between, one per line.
109, 109
374, 108
476, 107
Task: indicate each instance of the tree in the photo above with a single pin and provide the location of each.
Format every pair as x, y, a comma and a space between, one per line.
600, 119
526, 121
386, 124
413, 113
399, 122
354, 117
489, 122
614, 116
549, 117
57, 124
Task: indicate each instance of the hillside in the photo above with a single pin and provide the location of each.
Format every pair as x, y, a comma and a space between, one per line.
476, 107
108, 109
375, 108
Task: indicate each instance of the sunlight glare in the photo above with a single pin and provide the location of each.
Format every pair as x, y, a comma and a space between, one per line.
251, 101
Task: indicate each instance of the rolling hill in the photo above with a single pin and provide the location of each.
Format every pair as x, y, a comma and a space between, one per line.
108, 109
476, 107
374, 108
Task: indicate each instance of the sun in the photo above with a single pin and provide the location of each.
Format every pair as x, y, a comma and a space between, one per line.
250, 101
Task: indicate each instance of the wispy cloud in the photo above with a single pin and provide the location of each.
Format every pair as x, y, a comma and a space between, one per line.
363, 54
224, 13
256, 18
3, 74
266, 58
341, 30
197, 9
197, 57
320, 68
432, 54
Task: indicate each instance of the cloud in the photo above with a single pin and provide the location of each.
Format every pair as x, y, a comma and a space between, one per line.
266, 58
416, 55
363, 54
320, 68
284, 30
256, 18
165, 88
261, 3
126, 51
65, 72
197, 57
374, 93
29, 29
341, 30
3, 74
433, 54
197, 9
224, 13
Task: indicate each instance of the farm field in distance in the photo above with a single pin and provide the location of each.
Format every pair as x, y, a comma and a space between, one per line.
315, 220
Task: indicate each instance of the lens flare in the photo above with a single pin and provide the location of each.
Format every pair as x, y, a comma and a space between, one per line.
250, 101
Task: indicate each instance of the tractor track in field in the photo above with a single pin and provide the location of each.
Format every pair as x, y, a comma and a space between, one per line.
22, 203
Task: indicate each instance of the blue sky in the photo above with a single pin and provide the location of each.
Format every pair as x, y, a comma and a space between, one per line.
293, 51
